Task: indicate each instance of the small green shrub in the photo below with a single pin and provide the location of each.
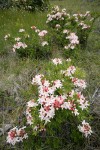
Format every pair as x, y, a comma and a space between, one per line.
36, 44
30, 5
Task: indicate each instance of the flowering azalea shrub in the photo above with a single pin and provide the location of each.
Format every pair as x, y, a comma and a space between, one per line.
36, 44
65, 31
58, 99
70, 29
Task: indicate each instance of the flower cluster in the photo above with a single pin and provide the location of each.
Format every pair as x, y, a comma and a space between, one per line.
80, 16
85, 128
21, 30
49, 99
73, 39
41, 35
68, 28
79, 83
71, 70
16, 135
62, 94
83, 25
29, 117
80, 19
19, 45
56, 15
57, 61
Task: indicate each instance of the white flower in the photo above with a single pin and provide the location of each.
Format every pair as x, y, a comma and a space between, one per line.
46, 113
31, 103
66, 47
73, 38
84, 105
21, 30
57, 84
71, 94
37, 30
65, 105
18, 45
6, 36
29, 119
37, 79
14, 50
58, 26
65, 31
76, 112
68, 60
79, 83
17, 39
57, 61
69, 72
44, 43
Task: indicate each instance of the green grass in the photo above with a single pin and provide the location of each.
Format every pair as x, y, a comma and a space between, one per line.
75, 6
13, 20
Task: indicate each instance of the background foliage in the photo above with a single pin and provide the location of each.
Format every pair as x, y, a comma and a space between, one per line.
25, 4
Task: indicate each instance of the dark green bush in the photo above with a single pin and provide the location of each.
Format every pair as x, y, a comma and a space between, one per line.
5, 3
30, 5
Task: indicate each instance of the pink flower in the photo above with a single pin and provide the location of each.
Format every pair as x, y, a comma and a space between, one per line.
82, 101
79, 83
42, 33
57, 84
16, 135
69, 72
59, 100
73, 38
19, 45
46, 113
85, 128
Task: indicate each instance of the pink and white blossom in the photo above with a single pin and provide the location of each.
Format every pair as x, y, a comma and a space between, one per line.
37, 79
57, 61
19, 45
79, 83
42, 33
85, 128
31, 103
16, 135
